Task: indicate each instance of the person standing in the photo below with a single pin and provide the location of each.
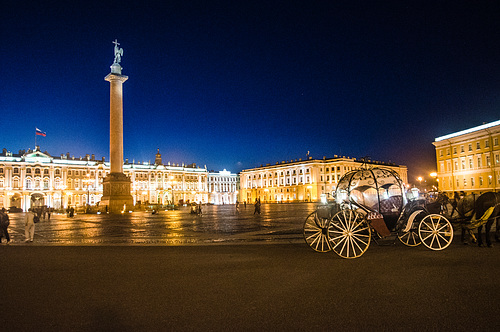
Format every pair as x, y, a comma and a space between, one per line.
257, 206
4, 224
29, 226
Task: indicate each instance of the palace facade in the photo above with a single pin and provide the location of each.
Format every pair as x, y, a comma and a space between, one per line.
34, 178
300, 180
222, 187
469, 160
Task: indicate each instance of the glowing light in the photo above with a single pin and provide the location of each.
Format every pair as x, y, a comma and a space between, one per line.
467, 131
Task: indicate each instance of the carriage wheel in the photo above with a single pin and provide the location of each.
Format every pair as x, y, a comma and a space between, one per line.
315, 232
349, 234
435, 231
411, 238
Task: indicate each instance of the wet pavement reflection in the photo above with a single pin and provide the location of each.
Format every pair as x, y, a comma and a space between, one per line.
217, 224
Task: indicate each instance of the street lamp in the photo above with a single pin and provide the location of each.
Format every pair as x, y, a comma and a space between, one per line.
62, 187
433, 175
420, 180
88, 181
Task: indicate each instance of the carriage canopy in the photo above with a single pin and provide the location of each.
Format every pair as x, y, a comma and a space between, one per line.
375, 189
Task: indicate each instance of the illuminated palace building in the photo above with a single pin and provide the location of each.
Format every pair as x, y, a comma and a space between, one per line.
301, 180
469, 160
34, 178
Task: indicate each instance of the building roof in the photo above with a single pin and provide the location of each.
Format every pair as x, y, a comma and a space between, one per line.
468, 131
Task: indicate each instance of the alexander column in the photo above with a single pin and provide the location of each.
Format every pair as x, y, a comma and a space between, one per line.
116, 185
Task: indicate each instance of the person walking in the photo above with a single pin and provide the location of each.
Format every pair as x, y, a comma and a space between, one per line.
4, 224
29, 226
237, 207
257, 206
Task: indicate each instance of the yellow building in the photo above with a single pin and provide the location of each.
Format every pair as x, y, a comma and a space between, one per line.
33, 178
300, 180
469, 160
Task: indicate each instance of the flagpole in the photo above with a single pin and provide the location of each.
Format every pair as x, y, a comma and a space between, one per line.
35, 138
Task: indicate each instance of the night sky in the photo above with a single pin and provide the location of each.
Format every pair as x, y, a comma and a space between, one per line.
236, 84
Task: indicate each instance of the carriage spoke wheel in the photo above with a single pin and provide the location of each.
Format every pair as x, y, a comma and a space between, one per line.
315, 232
349, 234
411, 238
435, 231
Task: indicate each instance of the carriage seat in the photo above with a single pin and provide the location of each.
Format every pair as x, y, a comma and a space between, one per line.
392, 205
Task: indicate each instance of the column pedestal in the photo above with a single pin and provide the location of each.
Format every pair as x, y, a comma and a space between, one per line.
116, 193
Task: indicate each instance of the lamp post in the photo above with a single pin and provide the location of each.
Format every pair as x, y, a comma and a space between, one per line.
62, 196
433, 175
172, 184
88, 181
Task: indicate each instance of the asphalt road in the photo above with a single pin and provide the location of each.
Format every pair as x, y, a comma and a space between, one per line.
247, 288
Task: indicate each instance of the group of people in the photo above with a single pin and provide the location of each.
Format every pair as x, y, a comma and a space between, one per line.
32, 217
197, 209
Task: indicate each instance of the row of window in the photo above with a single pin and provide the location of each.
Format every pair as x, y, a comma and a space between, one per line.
470, 145
264, 183
294, 172
224, 187
472, 182
223, 179
463, 163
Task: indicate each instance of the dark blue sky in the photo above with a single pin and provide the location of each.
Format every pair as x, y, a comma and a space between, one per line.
235, 84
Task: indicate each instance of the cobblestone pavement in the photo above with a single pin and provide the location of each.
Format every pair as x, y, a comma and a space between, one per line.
278, 223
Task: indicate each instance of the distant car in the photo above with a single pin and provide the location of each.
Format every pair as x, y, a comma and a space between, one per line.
15, 209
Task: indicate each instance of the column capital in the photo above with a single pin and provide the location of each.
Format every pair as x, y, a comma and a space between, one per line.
115, 77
